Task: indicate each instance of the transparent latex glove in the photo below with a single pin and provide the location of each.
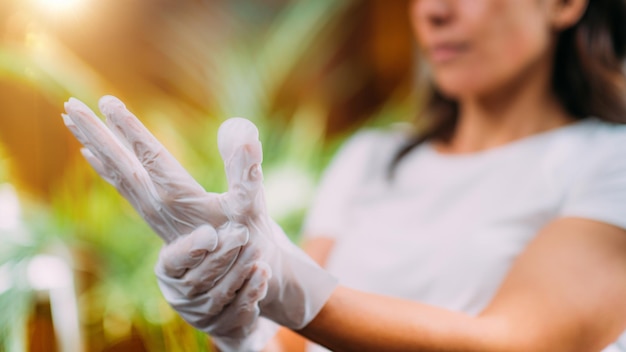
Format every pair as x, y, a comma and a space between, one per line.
127, 156
172, 202
225, 306
297, 288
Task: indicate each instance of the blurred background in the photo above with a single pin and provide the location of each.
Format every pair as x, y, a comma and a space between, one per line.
75, 260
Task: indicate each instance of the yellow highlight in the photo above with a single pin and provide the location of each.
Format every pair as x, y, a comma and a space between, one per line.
58, 5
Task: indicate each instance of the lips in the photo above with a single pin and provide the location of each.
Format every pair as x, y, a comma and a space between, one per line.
446, 52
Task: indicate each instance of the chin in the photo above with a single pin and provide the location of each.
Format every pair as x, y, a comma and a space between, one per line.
455, 86
453, 90
449, 92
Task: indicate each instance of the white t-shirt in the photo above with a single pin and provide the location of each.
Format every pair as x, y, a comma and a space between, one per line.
446, 230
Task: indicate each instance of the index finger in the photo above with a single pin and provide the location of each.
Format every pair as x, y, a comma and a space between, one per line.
167, 173
121, 168
187, 251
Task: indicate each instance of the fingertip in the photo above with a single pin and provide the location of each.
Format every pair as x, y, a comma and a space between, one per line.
257, 281
108, 103
87, 154
234, 133
109, 99
263, 269
241, 151
186, 252
204, 239
74, 105
67, 120
72, 101
243, 234
233, 236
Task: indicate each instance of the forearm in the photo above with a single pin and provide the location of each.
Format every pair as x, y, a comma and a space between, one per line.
287, 341
357, 321
564, 293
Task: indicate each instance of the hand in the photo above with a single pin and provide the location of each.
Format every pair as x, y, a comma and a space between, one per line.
190, 273
173, 204
298, 287
128, 156
190, 276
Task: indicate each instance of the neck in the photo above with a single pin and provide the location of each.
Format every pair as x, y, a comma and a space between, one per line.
523, 108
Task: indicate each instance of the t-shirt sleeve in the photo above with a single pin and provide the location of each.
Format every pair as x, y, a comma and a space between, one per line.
599, 192
339, 184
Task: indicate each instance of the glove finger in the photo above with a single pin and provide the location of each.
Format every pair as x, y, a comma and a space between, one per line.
109, 176
241, 151
227, 260
118, 166
95, 136
169, 176
97, 165
198, 310
187, 252
206, 278
244, 310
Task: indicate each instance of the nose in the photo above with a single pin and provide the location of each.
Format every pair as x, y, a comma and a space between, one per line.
433, 12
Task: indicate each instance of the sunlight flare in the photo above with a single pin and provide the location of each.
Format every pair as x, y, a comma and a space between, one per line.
59, 6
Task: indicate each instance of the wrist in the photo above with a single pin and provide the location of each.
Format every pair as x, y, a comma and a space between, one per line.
297, 293
256, 341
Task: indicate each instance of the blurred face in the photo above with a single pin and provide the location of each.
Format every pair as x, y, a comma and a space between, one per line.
475, 47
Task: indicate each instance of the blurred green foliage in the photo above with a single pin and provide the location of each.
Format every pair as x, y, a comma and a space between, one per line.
110, 249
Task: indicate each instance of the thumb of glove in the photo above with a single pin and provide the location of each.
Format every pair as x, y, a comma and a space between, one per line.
240, 148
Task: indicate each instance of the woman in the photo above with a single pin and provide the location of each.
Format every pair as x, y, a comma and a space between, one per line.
501, 227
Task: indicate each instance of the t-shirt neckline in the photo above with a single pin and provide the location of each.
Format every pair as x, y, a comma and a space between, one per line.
518, 143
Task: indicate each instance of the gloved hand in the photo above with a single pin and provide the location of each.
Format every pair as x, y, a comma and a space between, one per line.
127, 156
170, 200
224, 306
298, 287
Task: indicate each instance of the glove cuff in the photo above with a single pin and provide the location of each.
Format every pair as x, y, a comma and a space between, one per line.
304, 290
255, 342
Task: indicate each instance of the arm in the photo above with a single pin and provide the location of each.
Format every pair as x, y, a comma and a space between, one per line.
564, 293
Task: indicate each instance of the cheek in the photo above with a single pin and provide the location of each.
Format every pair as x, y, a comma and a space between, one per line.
489, 69
502, 50
516, 46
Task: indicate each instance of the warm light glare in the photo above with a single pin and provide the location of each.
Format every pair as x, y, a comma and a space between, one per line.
46, 272
58, 5
10, 211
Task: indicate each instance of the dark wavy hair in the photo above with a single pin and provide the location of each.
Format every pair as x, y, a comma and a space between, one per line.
588, 76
